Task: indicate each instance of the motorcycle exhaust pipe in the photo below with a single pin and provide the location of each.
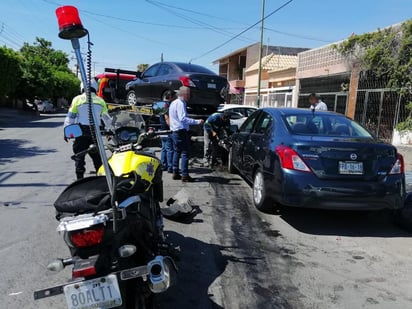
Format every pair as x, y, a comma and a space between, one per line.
162, 274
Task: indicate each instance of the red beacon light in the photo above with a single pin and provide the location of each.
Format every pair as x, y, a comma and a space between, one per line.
70, 25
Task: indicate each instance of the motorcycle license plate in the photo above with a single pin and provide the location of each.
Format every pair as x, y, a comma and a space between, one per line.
101, 292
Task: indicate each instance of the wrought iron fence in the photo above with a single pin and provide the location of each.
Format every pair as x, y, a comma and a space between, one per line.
379, 108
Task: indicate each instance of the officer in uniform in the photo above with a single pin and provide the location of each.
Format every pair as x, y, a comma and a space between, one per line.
79, 113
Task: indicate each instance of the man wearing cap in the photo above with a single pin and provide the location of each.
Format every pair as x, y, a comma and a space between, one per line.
316, 103
213, 127
79, 113
179, 124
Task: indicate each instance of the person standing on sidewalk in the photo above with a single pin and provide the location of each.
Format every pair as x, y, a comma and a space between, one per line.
179, 124
316, 103
166, 154
79, 113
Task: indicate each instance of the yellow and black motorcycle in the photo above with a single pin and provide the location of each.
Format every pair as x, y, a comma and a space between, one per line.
118, 252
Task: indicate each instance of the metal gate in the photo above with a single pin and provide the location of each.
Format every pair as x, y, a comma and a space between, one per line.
379, 110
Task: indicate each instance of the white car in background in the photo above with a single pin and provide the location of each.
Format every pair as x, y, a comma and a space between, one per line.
238, 113
45, 107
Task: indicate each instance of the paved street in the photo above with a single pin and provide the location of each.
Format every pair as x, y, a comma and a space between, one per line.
233, 256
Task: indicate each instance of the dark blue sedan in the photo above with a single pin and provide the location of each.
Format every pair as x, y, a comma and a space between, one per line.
304, 158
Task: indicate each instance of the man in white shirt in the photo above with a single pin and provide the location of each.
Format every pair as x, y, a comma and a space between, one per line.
179, 124
317, 103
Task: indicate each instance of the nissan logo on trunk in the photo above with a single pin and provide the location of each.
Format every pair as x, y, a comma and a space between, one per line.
353, 156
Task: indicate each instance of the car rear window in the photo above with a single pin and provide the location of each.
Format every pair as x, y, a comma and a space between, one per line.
324, 125
193, 68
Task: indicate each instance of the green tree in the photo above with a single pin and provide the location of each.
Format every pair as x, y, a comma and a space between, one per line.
142, 67
386, 53
46, 72
10, 71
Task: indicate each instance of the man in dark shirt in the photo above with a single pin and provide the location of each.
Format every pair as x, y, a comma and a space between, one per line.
213, 127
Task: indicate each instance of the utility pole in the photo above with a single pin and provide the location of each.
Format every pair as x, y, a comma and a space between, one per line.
260, 54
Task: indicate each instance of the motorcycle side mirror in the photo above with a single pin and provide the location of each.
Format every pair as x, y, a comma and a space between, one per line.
73, 131
160, 108
234, 128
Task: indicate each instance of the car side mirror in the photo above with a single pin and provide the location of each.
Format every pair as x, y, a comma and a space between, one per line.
234, 128
73, 131
160, 108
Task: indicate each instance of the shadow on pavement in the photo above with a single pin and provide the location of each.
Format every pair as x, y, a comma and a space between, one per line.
10, 118
199, 266
14, 149
343, 223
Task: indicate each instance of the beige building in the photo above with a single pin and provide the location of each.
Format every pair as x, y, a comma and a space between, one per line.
234, 65
278, 76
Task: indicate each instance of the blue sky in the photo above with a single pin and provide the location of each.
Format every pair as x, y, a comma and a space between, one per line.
191, 28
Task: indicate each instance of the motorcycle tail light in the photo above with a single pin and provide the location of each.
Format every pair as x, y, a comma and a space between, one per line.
84, 272
87, 237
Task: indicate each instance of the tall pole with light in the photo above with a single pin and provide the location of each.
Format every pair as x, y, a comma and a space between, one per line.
71, 28
260, 54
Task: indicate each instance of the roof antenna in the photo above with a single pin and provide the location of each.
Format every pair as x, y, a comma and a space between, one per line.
161, 57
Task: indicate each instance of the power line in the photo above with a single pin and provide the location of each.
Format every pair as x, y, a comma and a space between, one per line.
194, 12
300, 36
126, 31
137, 21
166, 8
244, 31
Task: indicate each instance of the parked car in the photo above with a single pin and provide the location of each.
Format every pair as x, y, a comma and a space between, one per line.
208, 90
296, 157
45, 106
238, 113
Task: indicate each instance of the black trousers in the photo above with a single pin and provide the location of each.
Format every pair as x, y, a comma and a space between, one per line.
80, 144
213, 147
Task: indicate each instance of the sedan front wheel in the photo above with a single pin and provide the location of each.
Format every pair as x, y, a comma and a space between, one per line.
131, 98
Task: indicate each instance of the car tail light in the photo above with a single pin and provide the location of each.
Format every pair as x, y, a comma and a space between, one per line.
87, 237
186, 81
398, 167
291, 160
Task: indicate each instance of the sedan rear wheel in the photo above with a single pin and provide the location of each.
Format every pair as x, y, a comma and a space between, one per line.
131, 98
260, 199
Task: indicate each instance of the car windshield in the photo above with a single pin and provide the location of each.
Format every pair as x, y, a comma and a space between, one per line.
324, 125
193, 68
124, 118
